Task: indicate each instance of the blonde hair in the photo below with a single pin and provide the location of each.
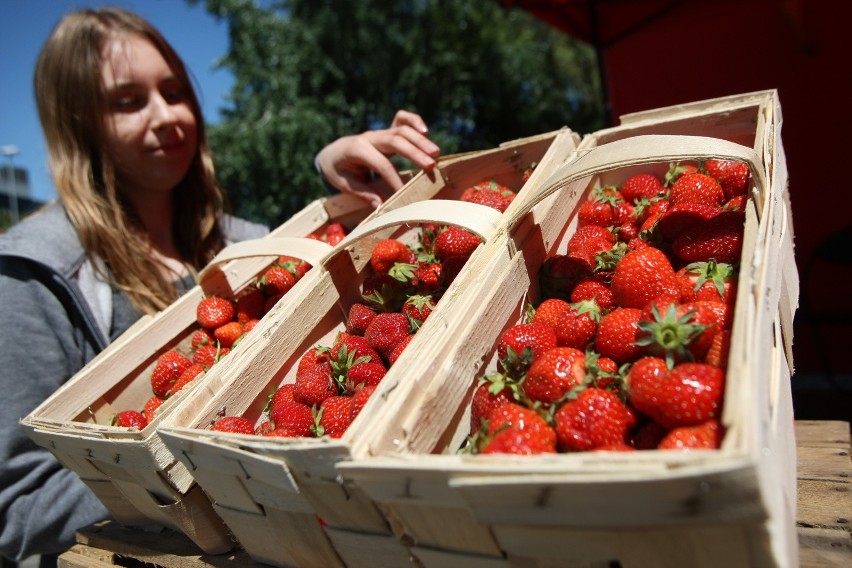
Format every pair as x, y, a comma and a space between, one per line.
72, 105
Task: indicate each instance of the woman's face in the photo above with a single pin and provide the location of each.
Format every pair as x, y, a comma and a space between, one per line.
151, 132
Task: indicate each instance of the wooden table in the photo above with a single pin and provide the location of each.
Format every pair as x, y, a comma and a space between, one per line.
824, 517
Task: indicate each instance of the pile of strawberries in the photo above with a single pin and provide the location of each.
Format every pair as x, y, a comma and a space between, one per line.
222, 323
628, 348
333, 383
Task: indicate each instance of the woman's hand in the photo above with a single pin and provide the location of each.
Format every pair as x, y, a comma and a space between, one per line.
349, 162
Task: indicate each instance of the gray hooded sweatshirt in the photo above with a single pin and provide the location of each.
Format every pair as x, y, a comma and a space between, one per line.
55, 316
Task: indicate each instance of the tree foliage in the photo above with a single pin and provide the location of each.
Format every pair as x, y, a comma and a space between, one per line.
309, 71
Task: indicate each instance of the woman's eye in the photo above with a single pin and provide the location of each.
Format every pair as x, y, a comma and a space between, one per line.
127, 102
175, 95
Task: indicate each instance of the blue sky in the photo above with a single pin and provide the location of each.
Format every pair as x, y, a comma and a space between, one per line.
198, 37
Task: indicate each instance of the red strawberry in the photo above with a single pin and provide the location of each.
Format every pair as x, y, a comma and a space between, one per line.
648, 436
293, 416
385, 331
428, 277
227, 335
587, 242
485, 401
732, 176
719, 238
313, 356
455, 241
400, 347
720, 347
151, 406
250, 305
282, 394
689, 394
706, 436
641, 186
214, 311
279, 433
677, 332
575, 325
595, 418
360, 316
209, 355
364, 374
335, 416
554, 373
643, 275
276, 281
491, 194
354, 346
678, 170
617, 335
520, 344
296, 266
388, 252
167, 371
711, 280
234, 424
359, 400
594, 288
314, 385
560, 273
190, 374
682, 215
250, 325
697, 187
602, 208
334, 233
514, 429
129, 419
201, 337
417, 308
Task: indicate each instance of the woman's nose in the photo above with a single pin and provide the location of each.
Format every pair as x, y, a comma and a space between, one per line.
162, 113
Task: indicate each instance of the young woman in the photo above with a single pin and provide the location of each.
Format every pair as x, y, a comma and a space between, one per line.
139, 213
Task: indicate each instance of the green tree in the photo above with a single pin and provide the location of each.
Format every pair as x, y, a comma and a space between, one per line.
309, 71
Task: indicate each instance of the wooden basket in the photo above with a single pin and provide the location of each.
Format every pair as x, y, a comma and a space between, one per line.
310, 488
131, 471
730, 507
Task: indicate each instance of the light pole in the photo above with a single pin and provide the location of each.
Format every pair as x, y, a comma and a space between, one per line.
10, 152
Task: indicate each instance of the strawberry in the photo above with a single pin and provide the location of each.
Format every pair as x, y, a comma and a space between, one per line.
514, 429
276, 281
293, 416
719, 238
227, 335
151, 406
400, 347
129, 419
575, 325
359, 400
250, 325
594, 419
417, 308
696, 187
554, 373
641, 276
334, 416
520, 344
282, 394
234, 424
314, 384
360, 316
602, 208
190, 374
682, 215
313, 356
641, 186
717, 354
710, 280
455, 242
296, 266
678, 170
208, 355
587, 242
648, 436
279, 433
732, 176
334, 233
488, 193
706, 436
385, 331
676, 332
387, 252
428, 277
689, 394
364, 374
617, 335
485, 400
271, 301
354, 346
168, 369
593, 288
214, 311
383, 293
250, 305
201, 337
560, 273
